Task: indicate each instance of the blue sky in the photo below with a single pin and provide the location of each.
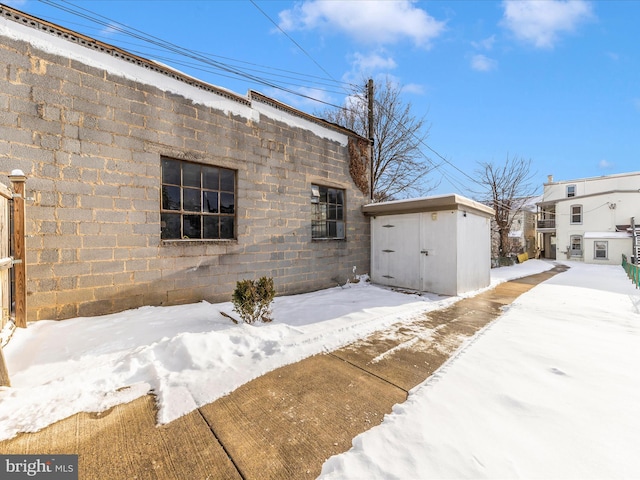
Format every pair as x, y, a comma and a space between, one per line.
557, 82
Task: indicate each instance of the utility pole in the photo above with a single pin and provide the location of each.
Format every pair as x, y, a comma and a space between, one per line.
371, 140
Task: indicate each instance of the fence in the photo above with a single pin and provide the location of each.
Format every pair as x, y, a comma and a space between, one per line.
13, 298
633, 271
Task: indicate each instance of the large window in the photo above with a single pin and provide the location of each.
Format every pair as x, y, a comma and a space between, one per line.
198, 201
575, 250
600, 250
327, 220
576, 214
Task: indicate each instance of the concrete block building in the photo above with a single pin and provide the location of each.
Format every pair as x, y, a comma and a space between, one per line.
148, 187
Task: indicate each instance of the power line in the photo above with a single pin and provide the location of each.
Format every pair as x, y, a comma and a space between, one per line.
292, 40
228, 70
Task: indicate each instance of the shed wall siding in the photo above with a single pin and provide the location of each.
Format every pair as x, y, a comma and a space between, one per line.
90, 143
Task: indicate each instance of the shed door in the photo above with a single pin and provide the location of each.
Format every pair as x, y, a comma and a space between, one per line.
396, 251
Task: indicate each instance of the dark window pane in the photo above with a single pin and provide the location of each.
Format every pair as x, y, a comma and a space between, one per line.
191, 175
170, 225
226, 227
210, 202
340, 197
191, 200
211, 227
316, 210
210, 178
340, 212
170, 171
170, 198
318, 229
323, 194
332, 229
227, 204
324, 211
191, 226
339, 229
332, 212
227, 180
332, 195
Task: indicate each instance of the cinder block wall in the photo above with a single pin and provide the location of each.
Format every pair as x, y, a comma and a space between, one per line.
90, 143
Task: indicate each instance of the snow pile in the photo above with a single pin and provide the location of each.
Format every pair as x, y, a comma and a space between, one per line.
550, 390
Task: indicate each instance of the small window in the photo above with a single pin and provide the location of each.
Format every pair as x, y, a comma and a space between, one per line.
327, 217
198, 201
576, 246
600, 250
576, 214
571, 191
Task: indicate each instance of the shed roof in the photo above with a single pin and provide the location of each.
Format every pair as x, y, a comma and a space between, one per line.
427, 204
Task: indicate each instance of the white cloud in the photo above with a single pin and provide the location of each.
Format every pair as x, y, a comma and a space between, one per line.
540, 22
605, 164
372, 61
368, 21
485, 44
613, 56
414, 88
483, 64
110, 29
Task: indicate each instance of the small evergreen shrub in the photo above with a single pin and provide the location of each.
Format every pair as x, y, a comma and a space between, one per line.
252, 299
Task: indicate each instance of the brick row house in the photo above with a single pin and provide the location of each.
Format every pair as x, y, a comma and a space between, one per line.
148, 187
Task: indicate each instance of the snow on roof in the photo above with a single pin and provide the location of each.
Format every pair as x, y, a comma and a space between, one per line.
60, 41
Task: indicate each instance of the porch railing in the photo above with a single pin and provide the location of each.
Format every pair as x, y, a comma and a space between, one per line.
547, 223
633, 271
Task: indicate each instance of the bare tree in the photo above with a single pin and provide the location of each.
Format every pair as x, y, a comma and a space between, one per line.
505, 188
399, 165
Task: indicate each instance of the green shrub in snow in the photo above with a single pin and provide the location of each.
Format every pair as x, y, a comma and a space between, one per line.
252, 299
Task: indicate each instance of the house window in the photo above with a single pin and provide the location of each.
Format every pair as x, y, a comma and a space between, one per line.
571, 191
576, 246
198, 201
576, 214
600, 250
327, 220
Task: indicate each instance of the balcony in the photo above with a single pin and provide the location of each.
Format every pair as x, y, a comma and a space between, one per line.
546, 223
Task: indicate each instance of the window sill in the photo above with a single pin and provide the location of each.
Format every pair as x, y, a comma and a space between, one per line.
329, 239
194, 241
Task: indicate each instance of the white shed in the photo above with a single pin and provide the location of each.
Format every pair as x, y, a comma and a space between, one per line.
439, 244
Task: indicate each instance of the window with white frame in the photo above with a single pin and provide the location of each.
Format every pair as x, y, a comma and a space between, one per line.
575, 250
571, 191
327, 214
576, 214
198, 201
600, 250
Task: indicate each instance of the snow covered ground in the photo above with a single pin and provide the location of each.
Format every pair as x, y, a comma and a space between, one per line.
187, 355
549, 390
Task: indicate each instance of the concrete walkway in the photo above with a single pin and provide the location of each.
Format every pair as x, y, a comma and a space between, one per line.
284, 424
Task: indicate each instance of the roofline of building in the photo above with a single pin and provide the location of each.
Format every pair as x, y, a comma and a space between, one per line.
90, 43
259, 97
589, 179
427, 204
577, 197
